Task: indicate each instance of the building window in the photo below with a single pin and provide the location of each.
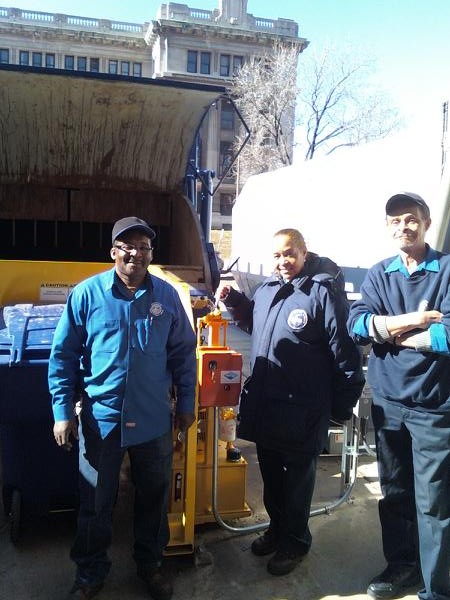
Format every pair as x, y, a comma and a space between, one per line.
137, 69
4, 56
69, 62
94, 65
192, 61
112, 67
238, 61
81, 63
224, 65
24, 57
227, 116
124, 67
36, 59
50, 61
225, 157
205, 63
226, 205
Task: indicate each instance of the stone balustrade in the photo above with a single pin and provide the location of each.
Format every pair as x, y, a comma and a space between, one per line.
28, 17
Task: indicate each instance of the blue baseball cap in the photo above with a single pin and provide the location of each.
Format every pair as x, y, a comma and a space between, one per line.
403, 198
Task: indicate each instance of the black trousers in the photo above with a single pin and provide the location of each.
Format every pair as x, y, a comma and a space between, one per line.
100, 462
288, 479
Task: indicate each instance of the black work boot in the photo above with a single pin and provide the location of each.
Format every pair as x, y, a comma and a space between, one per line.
393, 580
285, 561
82, 591
158, 584
265, 544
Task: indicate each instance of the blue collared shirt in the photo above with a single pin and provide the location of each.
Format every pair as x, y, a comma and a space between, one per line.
430, 263
125, 354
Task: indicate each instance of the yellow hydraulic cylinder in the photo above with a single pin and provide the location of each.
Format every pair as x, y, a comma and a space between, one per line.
217, 329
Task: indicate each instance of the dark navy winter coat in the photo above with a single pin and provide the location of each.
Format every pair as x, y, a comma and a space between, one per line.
305, 366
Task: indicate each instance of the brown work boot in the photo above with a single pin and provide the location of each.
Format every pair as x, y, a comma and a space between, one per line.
158, 585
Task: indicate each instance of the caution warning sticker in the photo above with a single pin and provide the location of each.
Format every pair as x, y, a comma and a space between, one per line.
55, 293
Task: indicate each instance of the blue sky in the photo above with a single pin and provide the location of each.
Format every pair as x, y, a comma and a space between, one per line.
409, 39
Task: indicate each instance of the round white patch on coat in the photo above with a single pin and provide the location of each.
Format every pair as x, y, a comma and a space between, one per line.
156, 309
297, 319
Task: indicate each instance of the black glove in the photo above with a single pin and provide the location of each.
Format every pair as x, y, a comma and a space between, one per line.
340, 414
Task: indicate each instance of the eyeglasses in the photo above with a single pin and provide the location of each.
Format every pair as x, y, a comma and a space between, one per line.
129, 248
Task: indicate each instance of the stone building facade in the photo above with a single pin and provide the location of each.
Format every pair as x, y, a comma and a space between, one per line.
181, 42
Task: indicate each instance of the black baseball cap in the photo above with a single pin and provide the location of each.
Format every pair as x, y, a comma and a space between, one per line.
404, 198
127, 223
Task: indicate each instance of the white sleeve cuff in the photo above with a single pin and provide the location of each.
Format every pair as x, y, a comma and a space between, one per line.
378, 330
422, 341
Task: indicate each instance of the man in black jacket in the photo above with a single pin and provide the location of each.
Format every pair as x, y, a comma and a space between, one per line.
305, 368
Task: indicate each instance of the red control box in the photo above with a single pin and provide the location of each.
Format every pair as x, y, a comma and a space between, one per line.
219, 376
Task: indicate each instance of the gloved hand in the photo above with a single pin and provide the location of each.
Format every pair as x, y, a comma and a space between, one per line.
184, 420
340, 415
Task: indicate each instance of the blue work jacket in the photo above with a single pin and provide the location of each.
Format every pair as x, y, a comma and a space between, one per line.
125, 355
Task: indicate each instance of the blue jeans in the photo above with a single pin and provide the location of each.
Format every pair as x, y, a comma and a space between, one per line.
413, 448
100, 462
289, 479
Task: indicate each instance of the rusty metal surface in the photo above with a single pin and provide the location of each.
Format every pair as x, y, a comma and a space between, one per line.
99, 132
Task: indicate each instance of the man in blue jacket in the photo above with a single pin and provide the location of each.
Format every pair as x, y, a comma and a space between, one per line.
305, 368
126, 342
405, 313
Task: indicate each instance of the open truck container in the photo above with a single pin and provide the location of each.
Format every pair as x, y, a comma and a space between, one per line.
77, 152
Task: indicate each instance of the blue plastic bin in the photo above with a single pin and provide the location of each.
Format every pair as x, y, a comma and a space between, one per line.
38, 477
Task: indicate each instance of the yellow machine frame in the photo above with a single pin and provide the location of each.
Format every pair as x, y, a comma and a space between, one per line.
190, 503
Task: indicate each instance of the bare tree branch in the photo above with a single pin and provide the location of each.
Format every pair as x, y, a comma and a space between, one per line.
334, 106
266, 94
339, 107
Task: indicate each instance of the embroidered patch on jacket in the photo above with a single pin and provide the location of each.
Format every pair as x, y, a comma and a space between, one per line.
297, 319
156, 309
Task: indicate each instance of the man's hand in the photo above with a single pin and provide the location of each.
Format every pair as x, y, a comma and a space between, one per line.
183, 421
63, 430
427, 318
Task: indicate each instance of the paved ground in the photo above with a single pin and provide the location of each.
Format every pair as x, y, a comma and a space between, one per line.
346, 549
